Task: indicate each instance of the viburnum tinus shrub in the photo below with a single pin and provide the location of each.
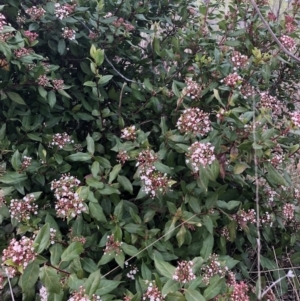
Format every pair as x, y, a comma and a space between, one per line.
145, 147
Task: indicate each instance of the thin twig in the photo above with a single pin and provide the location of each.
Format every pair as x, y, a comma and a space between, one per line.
257, 207
273, 34
10, 288
120, 101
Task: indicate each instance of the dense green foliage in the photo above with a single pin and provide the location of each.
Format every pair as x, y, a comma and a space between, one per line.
146, 147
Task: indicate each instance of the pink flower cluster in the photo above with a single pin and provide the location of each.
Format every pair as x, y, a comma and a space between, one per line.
200, 154
153, 293
112, 246
121, 22
2, 21
26, 162
270, 102
290, 24
63, 11
195, 121
68, 33
31, 36
17, 256
43, 294
61, 140
288, 42
58, 84
184, 272
22, 52
243, 218
35, 13
122, 156
288, 211
212, 268
295, 117
21, 209
43, 81
240, 292
152, 179
247, 90
80, 295
129, 133
69, 204
232, 80
239, 60
192, 89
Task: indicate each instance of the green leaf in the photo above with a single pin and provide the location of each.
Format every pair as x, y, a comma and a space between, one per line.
13, 178
106, 258
125, 183
164, 268
79, 157
129, 250
55, 251
163, 168
90, 84
106, 286
215, 287
92, 283
15, 97
180, 236
51, 99
16, 160
103, 162
274, 176
207, 246
193, 295
96, 212
104, 79
51, 280
95, 169
72, 251
240, 167
42, 238
120, 259
170, 286
61, 46
114, 173
228, 206
30, 276
90, 144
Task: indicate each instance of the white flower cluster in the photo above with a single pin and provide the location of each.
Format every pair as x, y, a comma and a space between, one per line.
184, 272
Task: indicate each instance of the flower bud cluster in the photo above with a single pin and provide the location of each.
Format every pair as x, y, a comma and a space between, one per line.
2, 21
270, 102
288, 211
43, 294
184, 272
289, 24
112, 245
195, 121
61, 140
288, 42
58, 84
225, 233
239, 60
69, 204
247, 90
266, 219
21, 209
36, 13
152, 179
133, 271
122, 156
192, 89
63, 11
80, 295
43, 81
26, 162
200, 154
68, 33
232, 80
52, 236
22, 52
240, 291
20, 253
129, 133
212, 268
295, 117
80, 239
153, 293
277, 159
271, 16
121, 22
31, 36
243, 218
